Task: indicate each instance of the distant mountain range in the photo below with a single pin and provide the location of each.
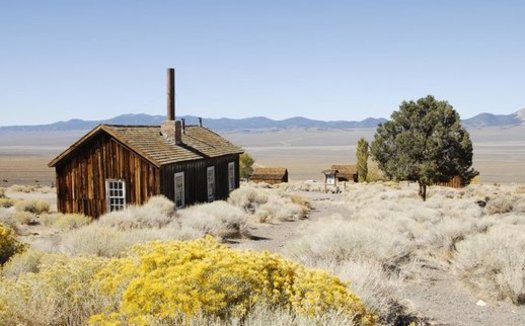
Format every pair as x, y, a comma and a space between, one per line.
259, 123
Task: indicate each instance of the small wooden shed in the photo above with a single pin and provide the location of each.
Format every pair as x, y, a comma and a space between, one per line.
346, 172
269, 175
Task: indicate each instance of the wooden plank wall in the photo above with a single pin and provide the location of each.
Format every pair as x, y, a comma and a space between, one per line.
195, 178
455, 182
81, 178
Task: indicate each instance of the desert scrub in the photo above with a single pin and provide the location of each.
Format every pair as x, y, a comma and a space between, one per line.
338, 241
22, 188
96, 239
248, 198
219, 219
156, 213
172, 282
23, 217
7, 202
493, 263
34, 206
25, 262
7, 219
64, 221
60, 293
9, 244
2, 192
268, 204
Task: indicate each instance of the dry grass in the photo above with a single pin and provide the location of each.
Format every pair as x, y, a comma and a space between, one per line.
387, 236
24, 218
401, 238
112, 233
34, 206
219, 218
64, 221
156, 213
27, 262
7, 218
7, 202
493, 263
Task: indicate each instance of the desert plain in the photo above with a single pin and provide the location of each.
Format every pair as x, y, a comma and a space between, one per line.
499, 153
447, 261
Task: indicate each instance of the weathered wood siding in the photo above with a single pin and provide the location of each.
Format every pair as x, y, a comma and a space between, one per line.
81, 178
195, 178
270, 180
455, 182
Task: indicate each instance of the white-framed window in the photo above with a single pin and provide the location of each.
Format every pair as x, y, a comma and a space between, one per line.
180, 200
231, 176
115, 194
210, 176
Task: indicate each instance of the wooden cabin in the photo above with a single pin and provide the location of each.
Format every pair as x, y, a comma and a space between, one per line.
269, 175
345, 172
116, 165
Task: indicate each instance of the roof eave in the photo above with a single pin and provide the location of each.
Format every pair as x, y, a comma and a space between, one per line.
74, 146
95, 131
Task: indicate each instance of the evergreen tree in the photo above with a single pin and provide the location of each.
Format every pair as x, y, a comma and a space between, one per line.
424, 142
362, 159
246, 163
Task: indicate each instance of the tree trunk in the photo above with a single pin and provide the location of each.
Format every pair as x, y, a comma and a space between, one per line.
423, 190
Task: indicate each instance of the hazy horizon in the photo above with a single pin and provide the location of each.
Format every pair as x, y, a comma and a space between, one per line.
325, 61
234, 118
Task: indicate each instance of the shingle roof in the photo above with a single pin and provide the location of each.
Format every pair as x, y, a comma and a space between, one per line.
197, 143
345, 170
268, 173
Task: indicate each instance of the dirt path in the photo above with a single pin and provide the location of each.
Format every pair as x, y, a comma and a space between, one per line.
447, 302
273, 237
440, 297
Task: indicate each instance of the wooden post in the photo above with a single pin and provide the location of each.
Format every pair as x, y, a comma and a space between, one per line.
171, 94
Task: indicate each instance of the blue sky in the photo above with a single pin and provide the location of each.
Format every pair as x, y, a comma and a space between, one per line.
330, 60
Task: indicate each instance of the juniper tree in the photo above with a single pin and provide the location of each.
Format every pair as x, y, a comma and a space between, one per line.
362, 159
246, 163
424, 142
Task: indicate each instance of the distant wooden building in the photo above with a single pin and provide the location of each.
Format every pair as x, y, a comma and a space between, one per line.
455, 182
269, 175
345, 172
115, 165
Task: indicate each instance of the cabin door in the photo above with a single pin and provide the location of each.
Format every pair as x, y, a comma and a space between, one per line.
180, 200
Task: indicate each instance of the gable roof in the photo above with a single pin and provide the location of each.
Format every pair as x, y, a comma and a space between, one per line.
345, 170
268, 173
147, 141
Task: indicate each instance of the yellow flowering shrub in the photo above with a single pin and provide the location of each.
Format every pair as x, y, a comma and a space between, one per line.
9, 245
171, 282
